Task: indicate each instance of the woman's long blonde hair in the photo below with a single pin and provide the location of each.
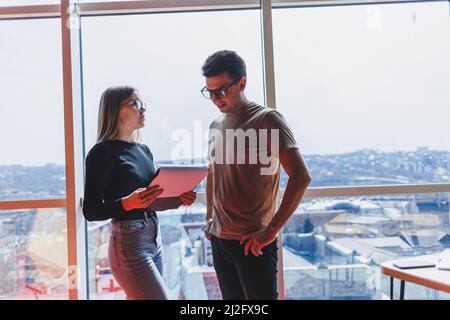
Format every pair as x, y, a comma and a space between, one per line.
109, 111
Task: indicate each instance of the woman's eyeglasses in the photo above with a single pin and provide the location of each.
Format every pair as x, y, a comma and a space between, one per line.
138, 104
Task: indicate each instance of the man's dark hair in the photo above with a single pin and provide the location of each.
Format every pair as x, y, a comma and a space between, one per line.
225, 61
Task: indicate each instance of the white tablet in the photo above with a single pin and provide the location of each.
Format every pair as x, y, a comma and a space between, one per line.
414, 264
176, 180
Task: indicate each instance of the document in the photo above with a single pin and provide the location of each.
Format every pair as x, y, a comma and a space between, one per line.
176, 180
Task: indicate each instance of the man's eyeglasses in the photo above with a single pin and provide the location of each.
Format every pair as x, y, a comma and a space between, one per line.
138, 104
219, 93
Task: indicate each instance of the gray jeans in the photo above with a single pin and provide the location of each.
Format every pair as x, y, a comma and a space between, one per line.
136, 258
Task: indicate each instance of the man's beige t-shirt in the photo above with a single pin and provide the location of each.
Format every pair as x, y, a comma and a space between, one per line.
242, 193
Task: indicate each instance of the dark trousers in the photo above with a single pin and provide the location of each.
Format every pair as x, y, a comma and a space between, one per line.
244, 277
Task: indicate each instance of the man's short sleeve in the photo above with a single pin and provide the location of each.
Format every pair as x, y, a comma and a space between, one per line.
275, 120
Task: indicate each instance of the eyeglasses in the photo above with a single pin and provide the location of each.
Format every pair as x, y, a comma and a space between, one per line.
138, 104
219, 93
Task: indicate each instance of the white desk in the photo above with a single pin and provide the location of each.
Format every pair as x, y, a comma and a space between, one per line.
429, 277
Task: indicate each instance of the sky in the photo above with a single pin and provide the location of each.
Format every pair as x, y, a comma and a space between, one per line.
346, 77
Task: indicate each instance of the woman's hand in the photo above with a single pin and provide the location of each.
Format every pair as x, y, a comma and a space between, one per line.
188, 198
141, 198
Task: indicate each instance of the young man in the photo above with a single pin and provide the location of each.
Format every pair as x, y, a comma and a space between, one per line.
243, 219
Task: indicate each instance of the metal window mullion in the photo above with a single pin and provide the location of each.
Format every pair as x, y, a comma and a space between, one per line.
376, 190
24, 12
330, 3
76, 225
32, 204
154, 6
268, 54
151, 6
270, 101
322, 192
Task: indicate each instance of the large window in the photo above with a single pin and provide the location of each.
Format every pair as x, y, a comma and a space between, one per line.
33, 242
365, 90
161, 55
32, 119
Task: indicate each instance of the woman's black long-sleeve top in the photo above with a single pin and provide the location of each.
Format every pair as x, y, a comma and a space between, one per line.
114, 169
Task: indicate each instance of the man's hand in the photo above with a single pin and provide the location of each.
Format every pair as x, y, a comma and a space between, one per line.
206, 229
188, 198
257, 240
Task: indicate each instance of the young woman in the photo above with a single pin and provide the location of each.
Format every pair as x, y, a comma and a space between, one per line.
119, 170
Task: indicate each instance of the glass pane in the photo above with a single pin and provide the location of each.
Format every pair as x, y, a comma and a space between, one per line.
165, 67
32, 118
33, 254
165, 72
333, 247
365, 90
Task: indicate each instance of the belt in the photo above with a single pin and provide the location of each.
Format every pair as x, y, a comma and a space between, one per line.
135, 216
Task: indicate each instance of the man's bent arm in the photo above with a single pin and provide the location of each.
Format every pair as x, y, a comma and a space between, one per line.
299, 179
